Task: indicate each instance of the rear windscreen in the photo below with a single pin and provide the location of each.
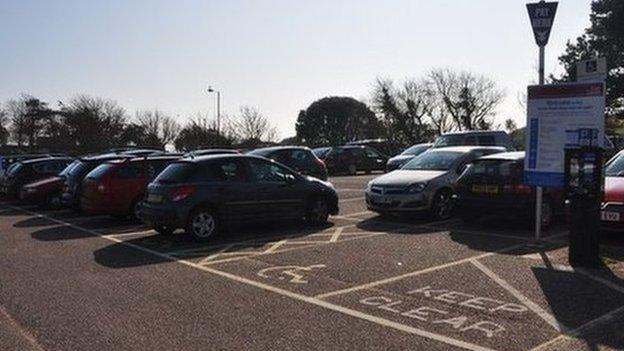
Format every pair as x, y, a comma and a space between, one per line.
176, 173
98, 172
509, 169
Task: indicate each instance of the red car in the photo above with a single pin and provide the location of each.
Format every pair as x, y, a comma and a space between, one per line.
117, 187
46, 192
612, 214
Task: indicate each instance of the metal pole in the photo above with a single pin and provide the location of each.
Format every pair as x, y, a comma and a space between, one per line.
218, 112
539, 190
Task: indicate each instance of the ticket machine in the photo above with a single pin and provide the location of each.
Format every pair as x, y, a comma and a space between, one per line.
584, 188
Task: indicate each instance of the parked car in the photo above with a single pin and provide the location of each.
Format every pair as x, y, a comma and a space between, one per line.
352, 159
7, 160
612, 212
70, 196
47, 192
321, 152
494, 185
204, 152
426, 183
399, 160
475, 138
298, 158
386, 147
29, 171
205, 193
117, 187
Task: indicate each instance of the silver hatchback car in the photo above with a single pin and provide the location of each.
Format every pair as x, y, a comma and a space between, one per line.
426, 183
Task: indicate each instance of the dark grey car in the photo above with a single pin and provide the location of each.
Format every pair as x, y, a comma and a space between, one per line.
202, 194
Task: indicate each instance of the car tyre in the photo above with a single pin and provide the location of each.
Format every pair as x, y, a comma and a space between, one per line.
442, 205
352, 170
202, 224
52, 202
318, 211
164, 230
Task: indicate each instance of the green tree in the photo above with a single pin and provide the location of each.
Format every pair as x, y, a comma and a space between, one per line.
603, 38
336, 120
94, 124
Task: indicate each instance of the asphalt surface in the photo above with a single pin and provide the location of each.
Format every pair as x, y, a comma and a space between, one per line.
71, 282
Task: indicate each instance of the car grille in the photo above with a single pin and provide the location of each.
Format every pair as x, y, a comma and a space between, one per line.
387, 190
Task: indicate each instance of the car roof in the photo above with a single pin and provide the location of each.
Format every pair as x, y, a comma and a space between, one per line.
282, 147
465, 132
105, 157
511, 156
146, 158
47, 159
466, 149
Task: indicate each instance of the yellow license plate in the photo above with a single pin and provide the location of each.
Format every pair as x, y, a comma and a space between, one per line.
485, 189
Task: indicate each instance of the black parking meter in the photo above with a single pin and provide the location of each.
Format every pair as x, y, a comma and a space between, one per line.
584, 193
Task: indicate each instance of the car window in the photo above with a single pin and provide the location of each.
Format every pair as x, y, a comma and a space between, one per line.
282, 156
470, 140
415, 150
231, 171
496, 168
101, 170
153, 168
449, 140
176, 172
300, 158
487, 140
129, 172
269, 172
372, 153
615, 168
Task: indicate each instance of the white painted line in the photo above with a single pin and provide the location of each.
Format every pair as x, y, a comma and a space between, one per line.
351, 199
299, 297
275, 246
22, 331
336, 235
140, 232
358, 214
413, 274
549, 318
349, 189
216, 254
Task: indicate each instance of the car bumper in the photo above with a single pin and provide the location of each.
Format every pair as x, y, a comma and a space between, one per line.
612, 216
165, 215
31, 197
397, 202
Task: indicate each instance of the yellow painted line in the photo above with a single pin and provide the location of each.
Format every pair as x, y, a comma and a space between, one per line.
413, 274
311, 300
336, 235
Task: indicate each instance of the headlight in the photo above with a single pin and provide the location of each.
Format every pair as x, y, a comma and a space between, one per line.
416, 187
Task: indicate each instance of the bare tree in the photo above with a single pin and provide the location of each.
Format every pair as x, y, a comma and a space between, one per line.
27, 114
159, 129
252, 125
4, 130
469, 99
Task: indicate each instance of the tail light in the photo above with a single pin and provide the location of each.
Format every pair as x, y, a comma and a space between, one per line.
520, 189
182, 193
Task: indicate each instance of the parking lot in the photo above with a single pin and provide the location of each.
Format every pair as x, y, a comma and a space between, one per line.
72, 282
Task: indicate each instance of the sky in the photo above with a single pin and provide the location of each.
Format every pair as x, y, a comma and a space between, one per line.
276, 55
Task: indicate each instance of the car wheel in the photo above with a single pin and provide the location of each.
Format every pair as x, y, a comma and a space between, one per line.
202, 224
442, 206
53, 202
163, 229
136, 206
318, 212
352, 170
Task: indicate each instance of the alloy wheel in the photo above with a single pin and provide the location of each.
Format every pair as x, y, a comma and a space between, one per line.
203, 225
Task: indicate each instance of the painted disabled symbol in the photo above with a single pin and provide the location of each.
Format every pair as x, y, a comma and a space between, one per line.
294, 274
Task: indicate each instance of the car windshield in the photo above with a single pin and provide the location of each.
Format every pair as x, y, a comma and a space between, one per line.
78, 169
175, 173
415, 150
433, 161
260, 152
508, 169
99, 171
450, 140
616, 167
67, 170
321, 152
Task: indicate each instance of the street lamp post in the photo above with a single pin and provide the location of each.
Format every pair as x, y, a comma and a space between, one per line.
211, 90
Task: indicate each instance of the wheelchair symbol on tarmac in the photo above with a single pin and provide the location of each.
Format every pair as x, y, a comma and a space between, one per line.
295, 274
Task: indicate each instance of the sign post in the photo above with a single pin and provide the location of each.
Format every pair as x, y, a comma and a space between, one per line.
542, 15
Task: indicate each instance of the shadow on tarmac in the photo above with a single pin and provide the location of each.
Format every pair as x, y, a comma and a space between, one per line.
245, 238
